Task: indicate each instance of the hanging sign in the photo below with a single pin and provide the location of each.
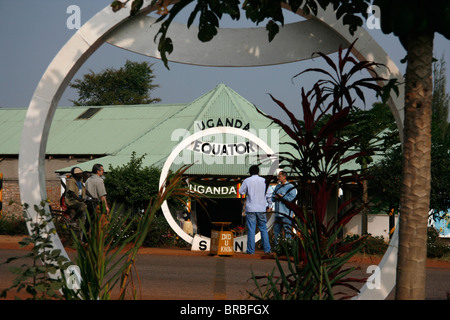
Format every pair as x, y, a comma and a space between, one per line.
216, 189
224, 149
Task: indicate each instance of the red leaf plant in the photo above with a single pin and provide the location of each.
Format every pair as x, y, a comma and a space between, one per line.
317, 254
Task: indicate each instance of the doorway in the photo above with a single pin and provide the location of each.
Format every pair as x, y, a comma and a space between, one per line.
218, 210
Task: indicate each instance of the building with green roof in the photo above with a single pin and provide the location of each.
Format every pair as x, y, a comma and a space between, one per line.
85, 135
154, 130
82, 136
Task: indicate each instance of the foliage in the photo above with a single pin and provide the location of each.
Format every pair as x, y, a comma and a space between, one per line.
318, 252
414, 23
162, 235
405, 17
109, 258
210, 12
45, 278
371, 245
132, 184
384, 184
376, 129
436, 248
130, 84
440, 174
440, 138
386, 175
441, 102
12, 225
315, 263
320, 149
103, 261
283, 244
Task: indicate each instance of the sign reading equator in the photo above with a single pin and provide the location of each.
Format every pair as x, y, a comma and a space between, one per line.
187, 142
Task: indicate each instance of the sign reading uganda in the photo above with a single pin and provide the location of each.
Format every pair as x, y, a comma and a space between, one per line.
216, 189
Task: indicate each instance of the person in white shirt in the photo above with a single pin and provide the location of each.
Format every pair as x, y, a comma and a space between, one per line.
258, 202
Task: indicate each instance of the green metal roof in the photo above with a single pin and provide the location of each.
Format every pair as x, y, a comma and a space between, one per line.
157, 142
106, 132
11, 125
115, 132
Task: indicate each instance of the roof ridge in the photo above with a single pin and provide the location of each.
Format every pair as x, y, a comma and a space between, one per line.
213, 93
233, 97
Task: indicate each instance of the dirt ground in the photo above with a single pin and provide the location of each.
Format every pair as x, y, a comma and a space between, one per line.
11, 242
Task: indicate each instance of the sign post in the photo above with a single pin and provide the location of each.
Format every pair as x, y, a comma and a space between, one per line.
221, 241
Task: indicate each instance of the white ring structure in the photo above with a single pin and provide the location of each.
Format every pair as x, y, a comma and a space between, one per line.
185, 143
107, 26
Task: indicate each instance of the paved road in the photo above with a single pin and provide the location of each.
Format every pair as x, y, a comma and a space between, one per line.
203, 277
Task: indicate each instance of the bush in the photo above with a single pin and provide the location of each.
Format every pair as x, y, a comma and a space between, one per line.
46, 278
161, 234
12, 225
132, 184
372, 245
436, 248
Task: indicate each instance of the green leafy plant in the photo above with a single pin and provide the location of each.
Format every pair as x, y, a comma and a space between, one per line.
132, 184
317, 254
45, 278
436, 248
106, 260
210, 13
128, 85
113, 241
12, 225
371, 245
161, 234
315, 266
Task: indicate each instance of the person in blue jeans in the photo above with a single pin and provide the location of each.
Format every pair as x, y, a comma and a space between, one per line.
258, 202
283, 190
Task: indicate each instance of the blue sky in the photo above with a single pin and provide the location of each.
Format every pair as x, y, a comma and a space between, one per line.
32, 32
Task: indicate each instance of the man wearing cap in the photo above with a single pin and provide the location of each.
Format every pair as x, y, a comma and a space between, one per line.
75, 194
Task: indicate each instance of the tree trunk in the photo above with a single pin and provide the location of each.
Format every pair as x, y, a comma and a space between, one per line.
416, 174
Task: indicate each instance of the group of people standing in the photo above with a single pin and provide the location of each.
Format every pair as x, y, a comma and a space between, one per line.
87, 196
259, 200
83, 196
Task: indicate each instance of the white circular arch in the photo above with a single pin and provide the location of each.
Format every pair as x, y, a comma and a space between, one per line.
185, 143
234, 47
95, 32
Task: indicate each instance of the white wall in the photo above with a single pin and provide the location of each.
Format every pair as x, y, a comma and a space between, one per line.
378, 225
